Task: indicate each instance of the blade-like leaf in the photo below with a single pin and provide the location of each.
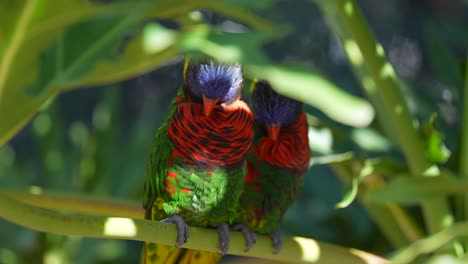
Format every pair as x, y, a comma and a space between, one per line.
370, 140
259, 4
87, 54
415, 190
436, 150
237, 10
349, 195
80, 47
239, 47
19, 54
308, 86
352, 191
300, 83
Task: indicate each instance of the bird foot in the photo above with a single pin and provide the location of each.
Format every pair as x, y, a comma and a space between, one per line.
182, 229
277, 242
224, 239
250, 236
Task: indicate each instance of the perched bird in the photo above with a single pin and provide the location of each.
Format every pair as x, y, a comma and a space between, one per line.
196, 169
278, 162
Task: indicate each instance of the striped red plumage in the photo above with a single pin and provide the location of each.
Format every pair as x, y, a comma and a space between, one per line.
214, 141
291, 150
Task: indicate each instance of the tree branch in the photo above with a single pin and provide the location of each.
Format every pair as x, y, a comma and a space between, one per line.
295, 249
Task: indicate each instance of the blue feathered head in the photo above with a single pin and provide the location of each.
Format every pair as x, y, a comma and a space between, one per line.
213, 82
269, 107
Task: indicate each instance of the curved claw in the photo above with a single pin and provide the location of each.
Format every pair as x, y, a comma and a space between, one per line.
224, 239
182, 229
250, 236
277, 242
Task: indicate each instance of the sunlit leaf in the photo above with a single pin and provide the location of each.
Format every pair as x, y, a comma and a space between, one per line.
19, 59
415, 190
303, 84
370, 140
236, 10
239, 47
251, 4
308, 86
87, 48
321, 140
349, 195
435, 147
352, 190
80, 47
330, 159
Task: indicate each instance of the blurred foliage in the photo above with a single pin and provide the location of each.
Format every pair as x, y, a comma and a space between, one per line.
96, 141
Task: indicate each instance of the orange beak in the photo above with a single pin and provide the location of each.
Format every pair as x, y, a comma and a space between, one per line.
209, 104
273, 130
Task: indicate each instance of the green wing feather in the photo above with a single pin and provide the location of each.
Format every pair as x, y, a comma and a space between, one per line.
156, 169
262, 210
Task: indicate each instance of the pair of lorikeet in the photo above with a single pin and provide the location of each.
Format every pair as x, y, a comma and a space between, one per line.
218, 163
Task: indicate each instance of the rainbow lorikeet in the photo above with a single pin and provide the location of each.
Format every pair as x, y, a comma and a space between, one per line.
278, 162
196, 170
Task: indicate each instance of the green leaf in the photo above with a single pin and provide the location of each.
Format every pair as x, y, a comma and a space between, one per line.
80, 47
352, 191
320, 140
36, 24
236, 10
308, 86
436, 150
370, 140
72, 59
239, 47
331, 159
350, 194
415, 190
158, 45
259, 4
300, 83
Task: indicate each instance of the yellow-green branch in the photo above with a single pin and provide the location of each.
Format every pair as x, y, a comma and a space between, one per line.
295, 249
76, 203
